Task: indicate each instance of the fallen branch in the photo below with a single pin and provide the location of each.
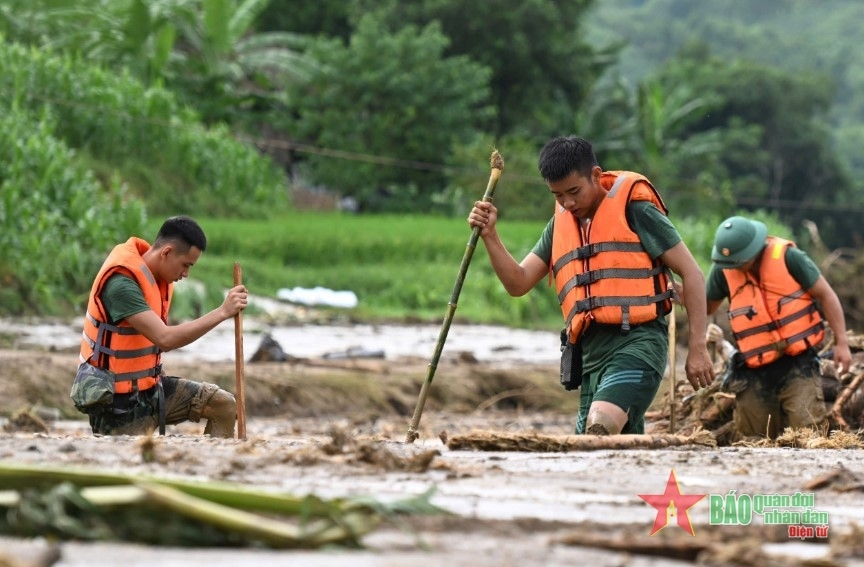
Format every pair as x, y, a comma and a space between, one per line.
684, 550
837, 410
538, 443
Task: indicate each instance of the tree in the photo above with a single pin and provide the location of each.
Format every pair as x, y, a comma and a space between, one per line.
226, 67
329, 18
386, 99
795, 172
207, 50
542, 69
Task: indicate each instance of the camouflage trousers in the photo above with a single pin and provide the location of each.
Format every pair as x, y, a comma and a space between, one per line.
786, 393
138, 414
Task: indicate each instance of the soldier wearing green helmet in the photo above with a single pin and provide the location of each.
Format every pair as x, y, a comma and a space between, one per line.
778, 304
738, 240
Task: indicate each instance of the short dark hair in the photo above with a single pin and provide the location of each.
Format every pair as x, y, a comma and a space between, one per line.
183, 232
563, 155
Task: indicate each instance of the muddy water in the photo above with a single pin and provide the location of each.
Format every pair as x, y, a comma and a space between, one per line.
505, 497
485, 342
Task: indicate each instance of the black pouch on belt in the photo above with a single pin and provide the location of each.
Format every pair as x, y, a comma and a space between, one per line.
571, 362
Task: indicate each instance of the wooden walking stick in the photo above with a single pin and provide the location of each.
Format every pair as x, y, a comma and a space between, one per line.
238, 361
672, 349
497, 164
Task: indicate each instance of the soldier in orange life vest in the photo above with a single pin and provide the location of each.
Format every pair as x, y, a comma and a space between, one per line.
126, 331
609, 247
777, 300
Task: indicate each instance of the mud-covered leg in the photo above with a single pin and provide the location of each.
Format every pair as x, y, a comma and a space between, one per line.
754, 415
221, 414
803, 402
605, 418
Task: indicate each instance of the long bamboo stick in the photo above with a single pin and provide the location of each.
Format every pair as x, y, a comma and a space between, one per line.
497, 164
239, 362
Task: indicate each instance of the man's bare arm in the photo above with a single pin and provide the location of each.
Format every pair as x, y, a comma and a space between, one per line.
699, 368
170, 337
518, 278
833, 310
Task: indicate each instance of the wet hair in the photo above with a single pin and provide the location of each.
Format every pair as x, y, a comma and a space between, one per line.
563, 155
183, 232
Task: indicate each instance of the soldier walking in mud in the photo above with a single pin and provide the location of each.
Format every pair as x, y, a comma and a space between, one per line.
119, 383
609, 246
777, 300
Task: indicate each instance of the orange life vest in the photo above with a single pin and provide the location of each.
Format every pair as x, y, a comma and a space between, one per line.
772, 316
603, 273
120, 348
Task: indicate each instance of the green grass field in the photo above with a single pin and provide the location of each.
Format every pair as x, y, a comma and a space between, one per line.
400, 267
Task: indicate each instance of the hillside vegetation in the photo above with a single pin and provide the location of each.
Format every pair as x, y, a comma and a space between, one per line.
118, 113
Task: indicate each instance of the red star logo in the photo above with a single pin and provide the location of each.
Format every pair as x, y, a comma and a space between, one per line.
672, 504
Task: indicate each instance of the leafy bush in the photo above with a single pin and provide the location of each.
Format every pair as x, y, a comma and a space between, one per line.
57, 221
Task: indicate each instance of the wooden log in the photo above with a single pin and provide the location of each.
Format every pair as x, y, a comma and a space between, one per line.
539, 443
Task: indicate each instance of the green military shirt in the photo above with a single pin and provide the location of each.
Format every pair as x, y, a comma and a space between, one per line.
123, 297
799, 264
648, 342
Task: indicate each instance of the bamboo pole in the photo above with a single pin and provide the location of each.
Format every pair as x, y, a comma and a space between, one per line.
497, 164
239, 361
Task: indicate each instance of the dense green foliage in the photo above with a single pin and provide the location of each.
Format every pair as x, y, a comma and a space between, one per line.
404, 101
56, 220
78, 143
791, 67
128, 128
541, 70
397, 105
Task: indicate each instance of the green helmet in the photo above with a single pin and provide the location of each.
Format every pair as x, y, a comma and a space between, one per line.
737, 241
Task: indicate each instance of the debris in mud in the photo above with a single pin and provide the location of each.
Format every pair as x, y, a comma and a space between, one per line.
342, 447
712, 409
733, 545
353, 352
271, 351
379, 455
685, 550
26, 420
536, 442
840, 479
849, 544
45, 557
843, 398
98, 506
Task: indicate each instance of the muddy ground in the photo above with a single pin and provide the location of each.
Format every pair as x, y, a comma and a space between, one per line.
507, 507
